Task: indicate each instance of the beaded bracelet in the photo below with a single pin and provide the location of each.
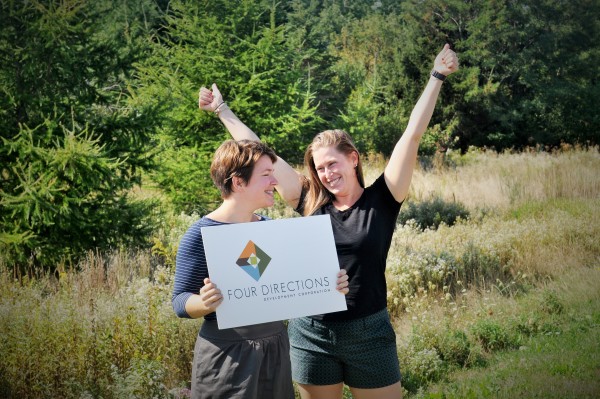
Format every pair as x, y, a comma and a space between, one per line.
218, 109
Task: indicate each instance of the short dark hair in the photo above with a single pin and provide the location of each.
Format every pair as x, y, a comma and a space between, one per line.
236, 159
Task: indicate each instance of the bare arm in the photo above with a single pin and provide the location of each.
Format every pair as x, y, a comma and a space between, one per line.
290, 184
205, 302
399, 170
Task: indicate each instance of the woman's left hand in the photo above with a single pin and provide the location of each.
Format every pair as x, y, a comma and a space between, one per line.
342, 282
446, 61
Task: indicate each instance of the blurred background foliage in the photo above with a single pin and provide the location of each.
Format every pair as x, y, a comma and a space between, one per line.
98, 98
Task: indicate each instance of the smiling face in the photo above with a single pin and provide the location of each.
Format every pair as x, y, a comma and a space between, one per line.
336, 170
260, 188
235, 162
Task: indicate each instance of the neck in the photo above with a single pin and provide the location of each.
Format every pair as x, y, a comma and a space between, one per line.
232, 212
342, 202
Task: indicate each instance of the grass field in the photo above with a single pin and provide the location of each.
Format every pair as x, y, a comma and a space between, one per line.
504, 303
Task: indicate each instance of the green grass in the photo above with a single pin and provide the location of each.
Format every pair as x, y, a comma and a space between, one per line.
557, 330
561, 364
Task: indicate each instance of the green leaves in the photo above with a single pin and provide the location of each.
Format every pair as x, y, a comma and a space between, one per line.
65, 199
242, 47
95, 94
74, 140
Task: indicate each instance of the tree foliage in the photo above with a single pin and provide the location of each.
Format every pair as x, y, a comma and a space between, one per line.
73, 142
94, 94
242, 47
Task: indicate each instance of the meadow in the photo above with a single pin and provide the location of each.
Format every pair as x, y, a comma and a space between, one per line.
501, 302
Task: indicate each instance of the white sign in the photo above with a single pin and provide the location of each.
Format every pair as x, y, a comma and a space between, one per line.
273, 270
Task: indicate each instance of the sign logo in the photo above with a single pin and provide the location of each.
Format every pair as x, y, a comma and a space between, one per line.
253, 260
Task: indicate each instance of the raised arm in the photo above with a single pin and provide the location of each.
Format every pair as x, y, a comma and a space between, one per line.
399, 170
290, 183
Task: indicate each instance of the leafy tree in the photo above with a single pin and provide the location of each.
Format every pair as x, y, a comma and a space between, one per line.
73, 140
526, 68
241, 46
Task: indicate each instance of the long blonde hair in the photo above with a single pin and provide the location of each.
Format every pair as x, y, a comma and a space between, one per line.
317, 195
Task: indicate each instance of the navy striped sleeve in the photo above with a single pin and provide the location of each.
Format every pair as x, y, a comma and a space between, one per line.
190, 268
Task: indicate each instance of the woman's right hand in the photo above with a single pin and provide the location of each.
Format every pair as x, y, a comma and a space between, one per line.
209, 100
210, 295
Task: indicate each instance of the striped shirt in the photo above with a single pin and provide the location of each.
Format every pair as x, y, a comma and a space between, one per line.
191, 268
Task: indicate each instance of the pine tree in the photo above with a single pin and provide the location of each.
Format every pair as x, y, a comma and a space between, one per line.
73, 140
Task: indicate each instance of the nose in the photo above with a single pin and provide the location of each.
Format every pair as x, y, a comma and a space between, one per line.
274, 181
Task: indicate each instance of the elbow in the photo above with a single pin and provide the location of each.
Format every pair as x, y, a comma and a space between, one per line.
178, 304
181, 313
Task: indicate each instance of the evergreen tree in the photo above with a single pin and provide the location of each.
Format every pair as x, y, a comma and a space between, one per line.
242, 47
73, 140
527, 69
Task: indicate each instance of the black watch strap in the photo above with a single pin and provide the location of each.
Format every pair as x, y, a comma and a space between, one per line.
438, 75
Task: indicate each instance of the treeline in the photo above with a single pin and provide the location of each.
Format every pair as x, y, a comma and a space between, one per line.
97, 94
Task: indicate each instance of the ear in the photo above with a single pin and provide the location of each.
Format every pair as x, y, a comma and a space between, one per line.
237, 184
354, 158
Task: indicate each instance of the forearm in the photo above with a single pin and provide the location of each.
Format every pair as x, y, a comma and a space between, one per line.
195, 308
289, 185
423, 110
235, 127
399, 170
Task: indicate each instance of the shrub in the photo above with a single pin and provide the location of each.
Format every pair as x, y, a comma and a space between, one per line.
430, 214
550, 303
420, 368
142, 379
478, 267
452, 345
455, 347
493, 336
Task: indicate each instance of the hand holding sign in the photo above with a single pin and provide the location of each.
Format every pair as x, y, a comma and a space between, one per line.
210, 295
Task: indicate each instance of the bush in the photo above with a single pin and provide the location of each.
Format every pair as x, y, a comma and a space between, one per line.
493, 336
479, 267
142, 379
550, 303
455, 348
421, 368
430, 214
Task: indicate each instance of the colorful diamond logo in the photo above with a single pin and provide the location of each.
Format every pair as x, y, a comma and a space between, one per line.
253, 260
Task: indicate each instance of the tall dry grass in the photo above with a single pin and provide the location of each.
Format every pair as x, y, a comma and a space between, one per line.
499, 181
108, 330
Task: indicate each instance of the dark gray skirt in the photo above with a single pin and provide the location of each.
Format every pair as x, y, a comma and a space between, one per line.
251, 362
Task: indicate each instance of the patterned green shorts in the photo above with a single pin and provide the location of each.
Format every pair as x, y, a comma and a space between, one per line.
361, 352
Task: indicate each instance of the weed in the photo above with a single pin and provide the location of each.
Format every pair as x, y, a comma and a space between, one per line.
420, 368
550, 303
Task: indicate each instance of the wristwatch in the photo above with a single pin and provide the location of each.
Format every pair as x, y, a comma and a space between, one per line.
438, 75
